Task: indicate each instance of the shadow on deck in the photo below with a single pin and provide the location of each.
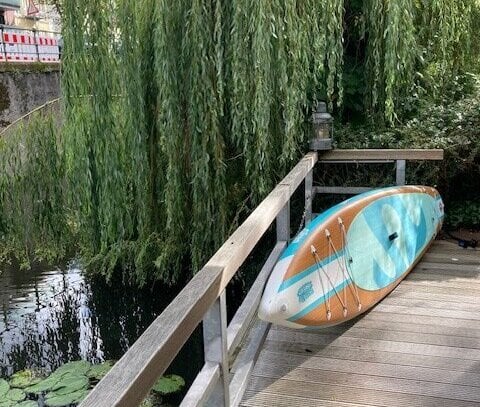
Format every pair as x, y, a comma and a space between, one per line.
419, 347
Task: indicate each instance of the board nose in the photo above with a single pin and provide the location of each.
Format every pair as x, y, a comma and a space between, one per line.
273, 310
266, 309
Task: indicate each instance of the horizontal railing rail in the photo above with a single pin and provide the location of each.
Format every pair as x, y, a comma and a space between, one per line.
12, 27
354, 155
374, 156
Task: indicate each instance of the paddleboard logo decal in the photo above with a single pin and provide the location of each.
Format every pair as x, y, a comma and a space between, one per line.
305, 291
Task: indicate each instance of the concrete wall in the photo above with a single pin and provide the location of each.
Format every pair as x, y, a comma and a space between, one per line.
23, 89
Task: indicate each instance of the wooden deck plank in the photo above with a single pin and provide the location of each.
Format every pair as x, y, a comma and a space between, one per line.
371, 368
417, 343
438, 256
365, 381
418, 347
367, 355
471, 271
406, 336
433, 313
473, 287
429, 294
428, 303
459, 292
403, 323
264, 400
319, 391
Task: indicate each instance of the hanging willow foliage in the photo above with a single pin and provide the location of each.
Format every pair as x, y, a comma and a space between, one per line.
446, 33
434, 40
228, 78
33, 221
174, 110
391, 52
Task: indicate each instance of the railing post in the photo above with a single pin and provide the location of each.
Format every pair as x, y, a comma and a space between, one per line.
4, 48
215, 348
308, 197
283, 224
35, 39
400, 176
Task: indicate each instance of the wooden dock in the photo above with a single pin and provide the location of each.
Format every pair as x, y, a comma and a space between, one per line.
419, 347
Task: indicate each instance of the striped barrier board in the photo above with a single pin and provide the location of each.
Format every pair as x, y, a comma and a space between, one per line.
29, 46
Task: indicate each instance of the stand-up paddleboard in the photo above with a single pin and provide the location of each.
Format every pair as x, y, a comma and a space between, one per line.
351, 256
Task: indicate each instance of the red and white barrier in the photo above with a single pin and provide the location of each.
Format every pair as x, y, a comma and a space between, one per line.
10, 39
29, 46
2, 52
48, 48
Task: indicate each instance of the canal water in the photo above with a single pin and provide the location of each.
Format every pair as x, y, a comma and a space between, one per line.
51, 316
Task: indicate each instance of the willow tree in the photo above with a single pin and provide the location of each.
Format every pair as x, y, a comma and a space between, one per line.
448, 39
180, 114
409, 43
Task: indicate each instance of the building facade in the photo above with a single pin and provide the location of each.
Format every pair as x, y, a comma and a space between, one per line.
29, 14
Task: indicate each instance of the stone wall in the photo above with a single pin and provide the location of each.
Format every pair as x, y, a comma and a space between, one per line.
25, 88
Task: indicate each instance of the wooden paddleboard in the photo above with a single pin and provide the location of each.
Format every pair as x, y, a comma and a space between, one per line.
351, 256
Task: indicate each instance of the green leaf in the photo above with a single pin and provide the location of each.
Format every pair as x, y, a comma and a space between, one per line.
44, 385
16, 395
24, 379
97, 372
4, 387
148, 402
69, 384
27, 403
80, 367
65, 400
169, 384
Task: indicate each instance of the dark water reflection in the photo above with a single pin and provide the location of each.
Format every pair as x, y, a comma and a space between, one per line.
50, 317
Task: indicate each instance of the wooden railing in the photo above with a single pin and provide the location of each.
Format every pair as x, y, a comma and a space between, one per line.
224, 376
203, 298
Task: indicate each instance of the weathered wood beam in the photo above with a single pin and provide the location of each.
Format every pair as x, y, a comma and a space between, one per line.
203, 386
240, 322
245, 365
341, 190
381, 154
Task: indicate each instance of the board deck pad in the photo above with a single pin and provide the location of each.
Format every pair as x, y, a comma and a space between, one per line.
351, 256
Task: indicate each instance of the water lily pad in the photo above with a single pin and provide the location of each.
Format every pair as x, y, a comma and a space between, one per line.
4, 387
80, 367
65, 400
98, 372
148, 402
27, 403
69, 384
15, 395
169, 384
44, 385
24, 379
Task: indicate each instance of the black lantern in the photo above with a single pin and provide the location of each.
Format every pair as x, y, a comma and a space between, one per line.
322, 127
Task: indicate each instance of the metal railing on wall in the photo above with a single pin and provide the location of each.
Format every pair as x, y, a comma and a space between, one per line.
25, 45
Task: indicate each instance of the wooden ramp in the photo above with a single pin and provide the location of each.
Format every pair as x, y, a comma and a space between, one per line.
419, 347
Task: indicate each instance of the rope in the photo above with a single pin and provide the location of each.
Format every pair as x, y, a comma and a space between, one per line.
327, 301
330, 247
346, 269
